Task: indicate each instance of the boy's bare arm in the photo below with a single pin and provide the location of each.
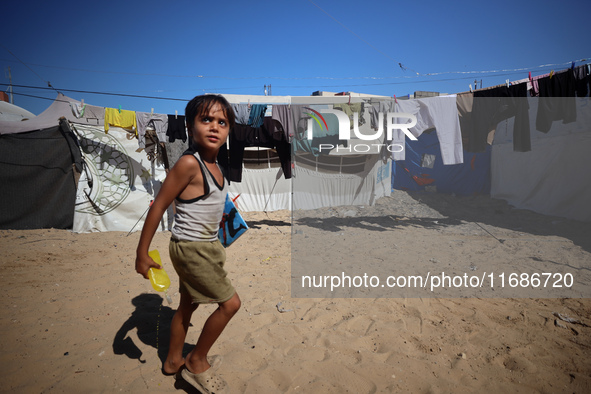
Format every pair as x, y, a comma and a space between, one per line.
185, 172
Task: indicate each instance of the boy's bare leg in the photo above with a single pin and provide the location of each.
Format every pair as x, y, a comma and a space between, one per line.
196, 360
178, 332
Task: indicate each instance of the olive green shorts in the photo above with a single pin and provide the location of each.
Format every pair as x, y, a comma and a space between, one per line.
200, 266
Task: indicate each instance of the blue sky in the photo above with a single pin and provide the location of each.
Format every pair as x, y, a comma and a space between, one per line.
178, 49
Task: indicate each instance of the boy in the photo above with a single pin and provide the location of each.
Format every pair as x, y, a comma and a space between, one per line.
200, 189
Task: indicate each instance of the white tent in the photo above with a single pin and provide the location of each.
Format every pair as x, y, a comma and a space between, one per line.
115, 190
349, 178
11, 112
263, 186
553, 178
117, 183
39, 166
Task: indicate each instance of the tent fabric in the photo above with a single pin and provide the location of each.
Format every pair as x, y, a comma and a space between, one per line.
38, 172
417, 171
115, 190
440, 113
262, 190
314, 188
11, 112
42, 189
48, 118
553, 178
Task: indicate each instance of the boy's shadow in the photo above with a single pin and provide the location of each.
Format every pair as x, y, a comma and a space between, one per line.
152, 320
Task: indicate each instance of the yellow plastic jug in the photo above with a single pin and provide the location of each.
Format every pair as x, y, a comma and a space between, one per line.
158, 277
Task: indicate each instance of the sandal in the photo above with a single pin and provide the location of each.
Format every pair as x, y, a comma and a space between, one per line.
215, 361
207, 382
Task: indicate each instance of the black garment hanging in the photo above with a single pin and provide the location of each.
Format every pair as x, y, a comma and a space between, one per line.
176, 128
582, 80
557, 100
269, 135
491, 106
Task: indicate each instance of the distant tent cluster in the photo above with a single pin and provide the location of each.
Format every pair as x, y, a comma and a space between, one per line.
94, 169
523, 142
62, 170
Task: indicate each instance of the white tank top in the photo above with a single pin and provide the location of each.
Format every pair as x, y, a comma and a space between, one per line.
198, 219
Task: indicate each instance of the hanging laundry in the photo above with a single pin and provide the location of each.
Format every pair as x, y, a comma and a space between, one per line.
94, 115
242, 113
176, 128
147, 119
243, 136
286, 115
349, 109
557, 100
493, 105
78, 109
382, 107
257, 113
91, 114
120, 118
582, 80
464, 102
440, 113
535, 88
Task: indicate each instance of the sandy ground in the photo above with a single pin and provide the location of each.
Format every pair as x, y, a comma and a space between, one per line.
77, 318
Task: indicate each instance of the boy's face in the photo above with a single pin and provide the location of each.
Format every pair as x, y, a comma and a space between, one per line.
210, 131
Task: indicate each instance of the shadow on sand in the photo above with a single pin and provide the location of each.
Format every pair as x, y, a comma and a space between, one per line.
152, 320
436, 210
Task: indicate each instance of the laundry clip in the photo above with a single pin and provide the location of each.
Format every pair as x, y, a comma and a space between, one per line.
551, 74
119, 109
176, 114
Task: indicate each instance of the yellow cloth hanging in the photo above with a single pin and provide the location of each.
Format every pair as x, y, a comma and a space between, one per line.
120, 118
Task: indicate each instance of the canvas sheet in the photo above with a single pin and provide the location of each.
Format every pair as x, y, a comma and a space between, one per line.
316, 189
553, 178
38, 179
262, 190
423, 169
115, 191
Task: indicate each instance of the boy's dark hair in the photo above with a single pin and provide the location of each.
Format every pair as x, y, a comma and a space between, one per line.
200, 105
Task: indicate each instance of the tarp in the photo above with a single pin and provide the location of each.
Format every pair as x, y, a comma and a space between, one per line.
553, 178
40, 186
48, 118
318, 187
11, 112
423, 169
262, 190
38, 173
115, 190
